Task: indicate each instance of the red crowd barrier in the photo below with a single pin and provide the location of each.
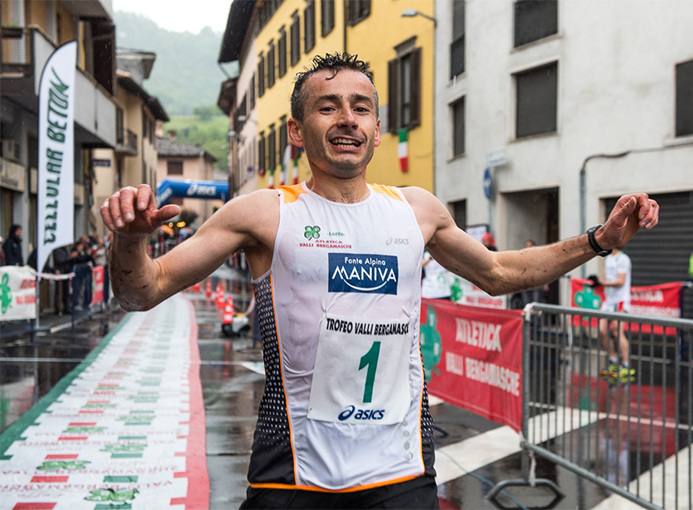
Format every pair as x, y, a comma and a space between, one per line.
662, 300
473, 358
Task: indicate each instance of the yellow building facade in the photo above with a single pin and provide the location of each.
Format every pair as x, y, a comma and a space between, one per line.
400, 53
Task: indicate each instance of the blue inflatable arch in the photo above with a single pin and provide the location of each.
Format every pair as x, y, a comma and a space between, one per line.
187, 188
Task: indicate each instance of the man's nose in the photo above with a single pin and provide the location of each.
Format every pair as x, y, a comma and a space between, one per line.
347, 118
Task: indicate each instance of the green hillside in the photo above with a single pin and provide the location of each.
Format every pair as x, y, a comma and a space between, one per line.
185, 78
185, 73
210, 133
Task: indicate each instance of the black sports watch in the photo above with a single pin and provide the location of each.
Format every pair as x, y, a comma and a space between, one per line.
593, 242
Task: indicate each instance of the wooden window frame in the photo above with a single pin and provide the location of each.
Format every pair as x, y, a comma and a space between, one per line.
326, 17
309, 26
357, 11
395, 90
271, 67
261, 75
295, 35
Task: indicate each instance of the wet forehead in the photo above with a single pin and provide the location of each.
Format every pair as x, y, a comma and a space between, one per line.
345, 84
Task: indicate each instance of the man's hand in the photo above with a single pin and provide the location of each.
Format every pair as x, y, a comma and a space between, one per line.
629, 214
132, 212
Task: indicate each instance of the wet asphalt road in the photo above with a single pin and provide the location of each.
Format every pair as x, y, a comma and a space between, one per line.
232, 385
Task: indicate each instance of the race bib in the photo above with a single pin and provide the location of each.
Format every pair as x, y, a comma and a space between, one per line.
361, 372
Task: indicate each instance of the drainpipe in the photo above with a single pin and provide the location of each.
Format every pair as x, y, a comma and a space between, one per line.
345, 24
583, 191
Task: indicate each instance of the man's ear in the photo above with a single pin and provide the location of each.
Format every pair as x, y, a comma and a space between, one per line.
377, 134
295, 133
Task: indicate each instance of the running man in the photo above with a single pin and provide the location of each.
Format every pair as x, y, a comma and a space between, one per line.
344, 419
616, 282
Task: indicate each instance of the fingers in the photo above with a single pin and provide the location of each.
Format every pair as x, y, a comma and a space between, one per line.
126, 205
106, 215
167, 212
120, 208
649, 215
145, 197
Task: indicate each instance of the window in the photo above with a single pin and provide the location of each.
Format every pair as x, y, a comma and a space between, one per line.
283, 137
458, 127
261, 75
251, 92
457, 45
261, 153
272, 149
281, 48
295, 38
684, 99
241, 115
309, 25
404, 87
270, 66
534, 20
266, 9
459, 213
145, 125
120, 126
537, 101
326, 16
174, 167
357, 11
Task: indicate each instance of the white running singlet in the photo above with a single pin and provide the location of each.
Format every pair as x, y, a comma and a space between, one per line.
345, 405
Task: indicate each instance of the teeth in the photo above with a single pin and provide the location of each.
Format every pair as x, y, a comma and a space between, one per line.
345, 143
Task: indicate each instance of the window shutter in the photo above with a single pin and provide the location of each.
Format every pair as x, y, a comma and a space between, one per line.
393, 102
415, 88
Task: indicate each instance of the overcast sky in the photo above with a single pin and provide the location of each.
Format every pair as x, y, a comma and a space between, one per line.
180, 15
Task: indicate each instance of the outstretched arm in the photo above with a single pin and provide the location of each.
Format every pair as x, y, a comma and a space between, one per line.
510, 271
140, 282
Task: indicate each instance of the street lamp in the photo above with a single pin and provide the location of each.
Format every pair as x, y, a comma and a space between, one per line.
411, 13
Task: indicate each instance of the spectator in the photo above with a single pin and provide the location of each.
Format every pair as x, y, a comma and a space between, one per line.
13, 247
82, 260
617, 275
489, 241
436, 280
62, 264
101, 259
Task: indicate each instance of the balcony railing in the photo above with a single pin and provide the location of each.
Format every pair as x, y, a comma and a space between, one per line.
15, 52
127, 144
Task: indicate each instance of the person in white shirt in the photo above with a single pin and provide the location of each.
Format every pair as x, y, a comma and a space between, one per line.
616, 282
436, 279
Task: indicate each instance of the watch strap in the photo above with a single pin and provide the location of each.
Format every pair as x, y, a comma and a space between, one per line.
594, 244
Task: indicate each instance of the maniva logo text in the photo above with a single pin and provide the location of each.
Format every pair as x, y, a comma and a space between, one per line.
353, 272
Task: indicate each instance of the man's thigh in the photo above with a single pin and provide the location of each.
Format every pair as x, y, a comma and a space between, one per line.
419, 493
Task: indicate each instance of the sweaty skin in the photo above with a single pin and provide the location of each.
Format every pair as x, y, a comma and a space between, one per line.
339, 132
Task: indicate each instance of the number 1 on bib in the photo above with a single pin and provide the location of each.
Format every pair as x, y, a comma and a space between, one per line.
370, 360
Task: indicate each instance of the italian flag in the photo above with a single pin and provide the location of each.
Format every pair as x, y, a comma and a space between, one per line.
403, 150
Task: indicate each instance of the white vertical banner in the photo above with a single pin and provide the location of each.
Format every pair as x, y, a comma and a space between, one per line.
56, 152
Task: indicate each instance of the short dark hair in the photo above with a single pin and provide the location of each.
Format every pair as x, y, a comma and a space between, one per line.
330, 62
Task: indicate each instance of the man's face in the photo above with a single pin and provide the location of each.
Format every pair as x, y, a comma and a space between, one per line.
18, 233
339, 130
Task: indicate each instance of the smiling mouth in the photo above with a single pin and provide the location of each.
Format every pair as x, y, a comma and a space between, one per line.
345, 142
